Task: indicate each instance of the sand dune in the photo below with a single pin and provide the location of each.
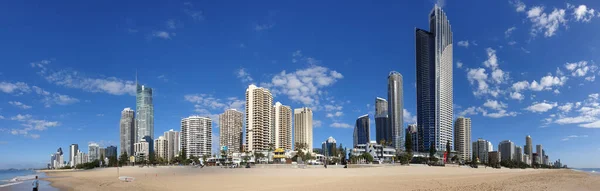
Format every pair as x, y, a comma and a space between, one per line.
378, 178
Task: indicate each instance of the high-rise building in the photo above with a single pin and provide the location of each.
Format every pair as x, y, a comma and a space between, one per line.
481, 150
111, 151
507, 150
490, 146
161, 147
93, 152
141, 150
196, 136
543, 156
73, 149
101, 153
518, 154
434, 82
173, 144
414, 135
396, 109
230, 130
259, 103
329, 147
127, 127
144, 116
282, 126
303, 127
361, 130
382, 123
528, 147
462, 138
540, 155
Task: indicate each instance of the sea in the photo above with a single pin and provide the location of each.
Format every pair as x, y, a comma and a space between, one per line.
12, 179
593, 171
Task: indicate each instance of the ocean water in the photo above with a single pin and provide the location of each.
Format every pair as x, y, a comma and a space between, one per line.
595, 171
12, 177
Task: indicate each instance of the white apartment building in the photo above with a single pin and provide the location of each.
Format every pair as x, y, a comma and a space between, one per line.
282, 126
259, 103
173, 144
230, 130
93, 151
303, 127
196, 136
161, 147
462, 138
142, 149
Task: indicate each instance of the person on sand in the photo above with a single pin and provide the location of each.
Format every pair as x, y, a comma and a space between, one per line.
35, 184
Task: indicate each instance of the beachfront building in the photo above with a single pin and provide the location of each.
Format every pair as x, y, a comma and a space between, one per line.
73, 149
494, 157
93, 151
462, 138
111, 151
173, 144
259, 103
361, 130
518, 154
196, 136
434, 82
282, 126
481, 150
230, 130
161, 147
141, 150
144, 116
303, 127
127, 129
374, 150
382, 123
538, 150
329, 147
396, 109
528, 149
507, 150
80, 158
526, 159
414, 135
56, 159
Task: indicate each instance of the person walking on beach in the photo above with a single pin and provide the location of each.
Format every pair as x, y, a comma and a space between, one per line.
35, 184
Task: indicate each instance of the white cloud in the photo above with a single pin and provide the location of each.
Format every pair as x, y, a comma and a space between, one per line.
541, 107
100, 115
190, 11
590, 78
492, 61
408, 117
317, 123
263, 27
19, 105
336, 114
206, 101
31, 124
525, 50
479, 76
591, 125
573, 137
512, 43
50, 99
171, 24
556, 91
519, 6
329, 107
509, 31
575, 120
18, 88
304, 85
499, 76
1, 117
495, 105
581, 68
500, 114
162, 34
583, 14
459, 64
163, 78
340, 125
469, 111
243, 75
594, 96
464, 43
522, 85
517, 96
547, 82
566, 107
548, 23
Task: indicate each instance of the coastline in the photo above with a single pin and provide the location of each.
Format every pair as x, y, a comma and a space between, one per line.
26, 184
375, 178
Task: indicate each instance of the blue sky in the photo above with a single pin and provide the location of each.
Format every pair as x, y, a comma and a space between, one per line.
521, 68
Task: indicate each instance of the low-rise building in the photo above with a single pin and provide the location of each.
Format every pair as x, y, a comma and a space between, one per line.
375, 150
494, 157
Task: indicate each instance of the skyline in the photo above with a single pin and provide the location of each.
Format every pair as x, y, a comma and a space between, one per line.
506, 79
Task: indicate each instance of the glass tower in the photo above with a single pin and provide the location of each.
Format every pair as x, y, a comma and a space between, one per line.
434, 82
382, 124
144, 121
396, 109
361, 130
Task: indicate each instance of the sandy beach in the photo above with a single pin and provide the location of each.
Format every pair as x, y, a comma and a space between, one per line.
375, 178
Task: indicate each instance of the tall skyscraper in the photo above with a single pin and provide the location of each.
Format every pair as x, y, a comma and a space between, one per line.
518, 154
196, 136
230, 130
303, 127
383, 130
462, 138
259, 103
361, 130
481, 150
507, 150
173, 144
161, 147
144, 116
396, 109
528, 147
414, 135
93, 152
111, 151
127, 128
434, 82
282, 126
328, 147
73, 149
539, 150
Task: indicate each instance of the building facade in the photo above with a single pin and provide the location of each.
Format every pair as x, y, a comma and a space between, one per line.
111, 151
282, 126
361, 130
93, 152
161, 147
540, 154
329, 147
434, 82
144, 116
127, 129
196, 136
528, 147
481, 150
396, 109
230, 130
507, 150
462, 138
518, 154
494, 157
173, 144
382, 123
374, 150
414, 135
73, 149
141, 150
303, 127
259, 103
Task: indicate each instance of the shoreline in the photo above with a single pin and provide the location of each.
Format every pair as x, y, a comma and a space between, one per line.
26, 184
383, 177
